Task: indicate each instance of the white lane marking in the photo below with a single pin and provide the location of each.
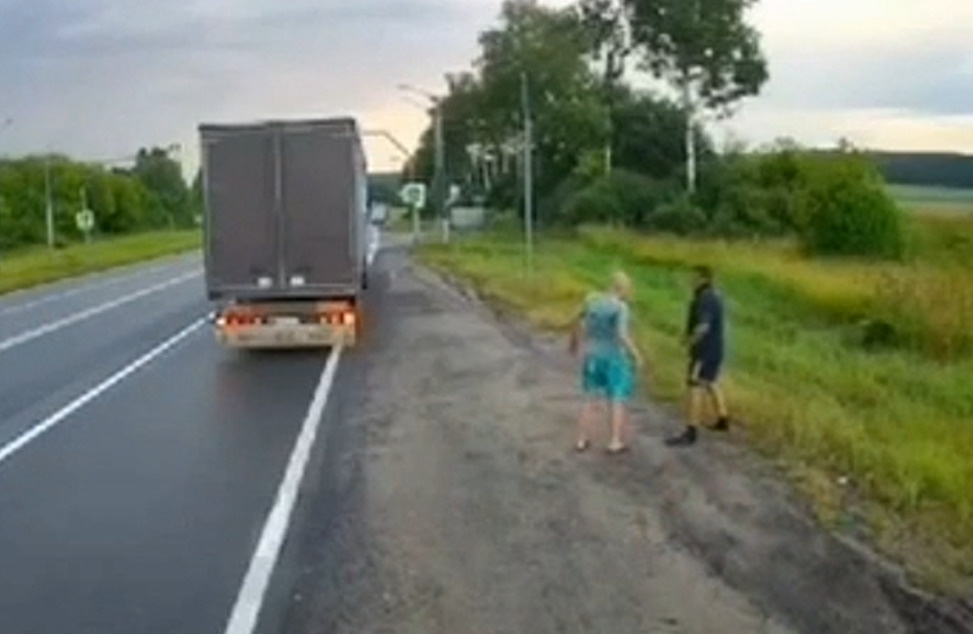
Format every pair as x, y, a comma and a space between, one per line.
116, 277
57, 417
47, 299
246, 610
53, 326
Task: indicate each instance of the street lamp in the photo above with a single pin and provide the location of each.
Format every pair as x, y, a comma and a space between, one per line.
439, 188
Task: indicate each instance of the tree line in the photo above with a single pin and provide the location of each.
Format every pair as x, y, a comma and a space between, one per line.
607, 151
936, 169
151, 194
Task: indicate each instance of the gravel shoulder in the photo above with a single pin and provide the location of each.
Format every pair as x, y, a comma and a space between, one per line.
448, 499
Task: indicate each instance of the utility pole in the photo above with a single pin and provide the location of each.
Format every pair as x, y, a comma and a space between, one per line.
687, 100
440, 159
528, 174
84, 209
49, 196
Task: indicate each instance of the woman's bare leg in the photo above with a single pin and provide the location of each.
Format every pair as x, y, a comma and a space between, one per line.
585, 418
619, 426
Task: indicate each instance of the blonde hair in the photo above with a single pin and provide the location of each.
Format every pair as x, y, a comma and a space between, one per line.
621, 282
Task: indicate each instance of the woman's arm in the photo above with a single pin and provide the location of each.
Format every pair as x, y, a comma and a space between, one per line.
625, 334
576, 325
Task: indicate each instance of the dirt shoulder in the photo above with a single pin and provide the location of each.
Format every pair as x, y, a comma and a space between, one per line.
467, 510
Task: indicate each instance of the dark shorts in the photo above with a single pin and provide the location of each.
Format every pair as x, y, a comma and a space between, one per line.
704, 370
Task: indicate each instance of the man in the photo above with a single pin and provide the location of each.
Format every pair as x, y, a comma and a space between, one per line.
704, 338
602, 337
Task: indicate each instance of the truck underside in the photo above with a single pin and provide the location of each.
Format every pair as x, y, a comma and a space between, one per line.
288, 324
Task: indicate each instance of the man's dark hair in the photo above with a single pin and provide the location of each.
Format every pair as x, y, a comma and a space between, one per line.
704, 271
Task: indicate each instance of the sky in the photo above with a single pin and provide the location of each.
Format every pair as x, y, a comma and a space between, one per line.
98, 79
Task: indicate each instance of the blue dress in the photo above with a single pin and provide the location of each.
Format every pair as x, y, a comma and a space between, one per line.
606, 371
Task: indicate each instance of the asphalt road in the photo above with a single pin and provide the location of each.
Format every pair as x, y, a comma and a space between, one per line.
138, 507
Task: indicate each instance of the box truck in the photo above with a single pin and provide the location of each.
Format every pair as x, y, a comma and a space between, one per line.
285, 231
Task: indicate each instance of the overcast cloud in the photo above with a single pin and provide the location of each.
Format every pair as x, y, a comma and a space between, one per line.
99, 78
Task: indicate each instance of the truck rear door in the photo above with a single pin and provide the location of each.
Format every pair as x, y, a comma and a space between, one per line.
242, 226
319, 197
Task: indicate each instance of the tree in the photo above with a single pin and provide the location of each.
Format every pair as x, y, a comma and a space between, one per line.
606, 24
121, 203
162, 176
648, 138
705, 49
197, 198
549, 47
483, 111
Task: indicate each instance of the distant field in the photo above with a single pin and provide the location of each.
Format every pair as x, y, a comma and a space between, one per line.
933, 199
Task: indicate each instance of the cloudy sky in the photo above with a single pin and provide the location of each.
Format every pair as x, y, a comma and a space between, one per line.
99, 78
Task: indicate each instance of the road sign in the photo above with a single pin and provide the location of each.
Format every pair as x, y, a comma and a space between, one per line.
414, 194
454, 194
85, 219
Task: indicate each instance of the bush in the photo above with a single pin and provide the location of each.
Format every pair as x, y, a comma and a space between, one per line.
847, 210
622, 197
554, 206
836, 202
752, 194
679, 216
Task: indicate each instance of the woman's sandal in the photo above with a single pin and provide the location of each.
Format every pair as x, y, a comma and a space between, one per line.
582, 445
616, 449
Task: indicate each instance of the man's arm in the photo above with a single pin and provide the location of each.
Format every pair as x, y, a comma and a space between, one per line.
705, 315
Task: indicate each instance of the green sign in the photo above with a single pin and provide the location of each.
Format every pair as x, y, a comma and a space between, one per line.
85, 219
413, 194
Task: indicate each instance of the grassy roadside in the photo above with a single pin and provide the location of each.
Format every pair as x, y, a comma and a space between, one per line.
880, 440
33, 267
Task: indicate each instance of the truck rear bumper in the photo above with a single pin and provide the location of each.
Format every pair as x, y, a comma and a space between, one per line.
271, 336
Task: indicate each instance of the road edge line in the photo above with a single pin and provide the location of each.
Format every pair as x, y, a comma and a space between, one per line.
46, 424
246, 609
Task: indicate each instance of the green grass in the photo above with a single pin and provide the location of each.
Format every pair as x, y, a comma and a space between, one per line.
935, 200
33, 267
896, 422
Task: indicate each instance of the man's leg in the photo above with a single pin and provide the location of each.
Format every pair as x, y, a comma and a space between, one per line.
709, 375
719, 404
694, 401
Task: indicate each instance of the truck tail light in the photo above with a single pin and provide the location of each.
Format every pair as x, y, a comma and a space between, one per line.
237, 320
338, 318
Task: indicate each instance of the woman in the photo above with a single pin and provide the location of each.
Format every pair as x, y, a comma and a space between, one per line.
602, 337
